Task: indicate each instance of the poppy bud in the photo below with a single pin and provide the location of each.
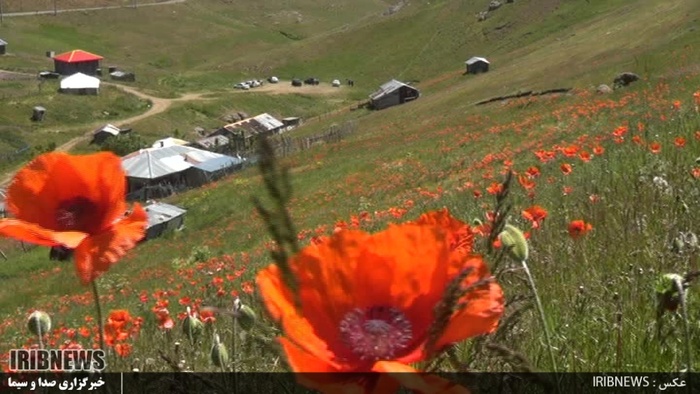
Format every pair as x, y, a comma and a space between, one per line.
219, 354
515, 242
246, 317
39, 323
192, 327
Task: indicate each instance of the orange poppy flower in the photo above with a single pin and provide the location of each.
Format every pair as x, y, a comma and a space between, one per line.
679, 142
655, 147
566, 168
525, 182
535, 214
75, 202
578, 228
533, 172
368, 301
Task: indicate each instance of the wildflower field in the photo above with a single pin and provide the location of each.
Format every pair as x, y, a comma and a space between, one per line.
604, 189
552, 233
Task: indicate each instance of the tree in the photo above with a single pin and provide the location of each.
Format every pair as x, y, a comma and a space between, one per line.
123, 144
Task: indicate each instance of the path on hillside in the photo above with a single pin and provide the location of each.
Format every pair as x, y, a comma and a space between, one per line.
158, 105
107, 7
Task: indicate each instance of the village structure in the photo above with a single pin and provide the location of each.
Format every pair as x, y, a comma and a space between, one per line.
171, 164
393, 93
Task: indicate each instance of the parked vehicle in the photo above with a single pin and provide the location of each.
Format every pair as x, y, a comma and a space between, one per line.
296, 82
312, 81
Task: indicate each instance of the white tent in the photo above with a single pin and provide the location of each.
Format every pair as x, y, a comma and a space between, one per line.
80, 83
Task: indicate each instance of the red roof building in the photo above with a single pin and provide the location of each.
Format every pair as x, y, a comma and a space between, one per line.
77, 61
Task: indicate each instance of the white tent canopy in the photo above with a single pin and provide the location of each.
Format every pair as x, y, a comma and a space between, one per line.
80, 81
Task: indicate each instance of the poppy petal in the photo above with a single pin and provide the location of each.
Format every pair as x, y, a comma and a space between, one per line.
482, 310
35, 234
97, 253
316, 374
278, 299
56, 178
417, 382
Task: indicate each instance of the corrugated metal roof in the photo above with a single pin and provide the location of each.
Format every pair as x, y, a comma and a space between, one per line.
170, 141
256, 124
219, 163
159, 212
387, 88
151, 163
213, 141
476, 59
3, 42
268, 121
108, 128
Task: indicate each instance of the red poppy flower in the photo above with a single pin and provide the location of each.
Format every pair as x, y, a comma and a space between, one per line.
535, 214
533, 172
566, 168
525, 182
695, 172
679, 142
368, 300
578, 228
655, 147
75, 202
598, 150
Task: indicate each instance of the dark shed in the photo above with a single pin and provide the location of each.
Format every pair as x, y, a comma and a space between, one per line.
393, 93
477, 65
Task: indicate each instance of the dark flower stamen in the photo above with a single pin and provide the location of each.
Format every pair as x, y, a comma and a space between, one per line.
75, 214
376, 333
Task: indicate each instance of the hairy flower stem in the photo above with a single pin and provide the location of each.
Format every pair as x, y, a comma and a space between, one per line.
41, 335
686, 326
543, 318
98, 309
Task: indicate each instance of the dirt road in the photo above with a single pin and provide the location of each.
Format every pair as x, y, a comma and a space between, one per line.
159, 105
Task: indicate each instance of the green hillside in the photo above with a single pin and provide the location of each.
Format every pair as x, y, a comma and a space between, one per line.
441, 150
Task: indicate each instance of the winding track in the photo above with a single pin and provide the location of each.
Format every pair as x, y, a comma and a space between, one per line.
158, 105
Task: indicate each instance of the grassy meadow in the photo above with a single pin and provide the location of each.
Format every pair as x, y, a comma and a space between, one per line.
627, 163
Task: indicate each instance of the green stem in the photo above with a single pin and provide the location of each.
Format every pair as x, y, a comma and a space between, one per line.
543, 318
686, 326
98, 308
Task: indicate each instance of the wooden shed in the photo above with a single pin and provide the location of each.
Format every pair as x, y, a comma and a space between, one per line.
162, 218
476, 65
393, 93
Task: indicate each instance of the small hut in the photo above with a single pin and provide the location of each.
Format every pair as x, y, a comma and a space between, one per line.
163, 218
38, 113
477, 65
3, 46
393, 93
105, 132
77, 61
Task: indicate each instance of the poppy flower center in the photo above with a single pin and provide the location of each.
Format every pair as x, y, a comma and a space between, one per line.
376, 333
76, 214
